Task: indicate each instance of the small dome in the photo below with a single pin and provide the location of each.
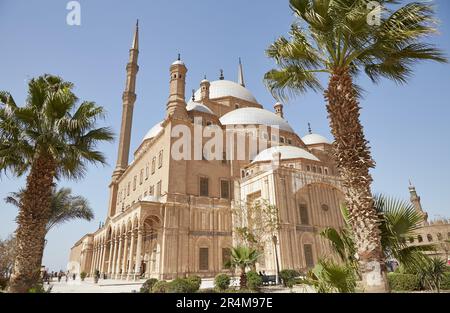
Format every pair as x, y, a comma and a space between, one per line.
178, 62
313, 139
154, 131
224, 88
196, 106
255, 116
287, 152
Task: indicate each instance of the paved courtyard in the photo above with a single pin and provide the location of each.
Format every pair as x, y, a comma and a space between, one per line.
126, 286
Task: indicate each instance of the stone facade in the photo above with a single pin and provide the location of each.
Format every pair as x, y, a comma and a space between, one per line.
174, 217
435, 232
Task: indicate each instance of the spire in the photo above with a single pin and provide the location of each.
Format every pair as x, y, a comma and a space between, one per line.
135, 45
221, 75
128, 100
415, 200
309, 128
241, 74
176, 106
279, 109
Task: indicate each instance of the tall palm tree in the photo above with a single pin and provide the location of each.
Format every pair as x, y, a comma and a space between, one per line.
50, 137
241, 258
399, 221
339, 38
63, 206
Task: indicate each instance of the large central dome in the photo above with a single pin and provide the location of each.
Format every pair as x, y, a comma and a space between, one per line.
255, 116
226, 88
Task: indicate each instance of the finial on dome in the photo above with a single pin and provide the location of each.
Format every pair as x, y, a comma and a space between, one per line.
193, 94
179, 57
309, 128
221, 75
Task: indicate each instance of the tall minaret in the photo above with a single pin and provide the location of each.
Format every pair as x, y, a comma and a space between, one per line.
415, 200
241, 74
176, 106
128, 100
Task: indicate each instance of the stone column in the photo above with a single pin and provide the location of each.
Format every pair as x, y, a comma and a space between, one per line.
110, 256
102, 265
119, 255
113, 266
130, 255
117, 258
93, 259
95, 256
137, 267
125, 255
102, 254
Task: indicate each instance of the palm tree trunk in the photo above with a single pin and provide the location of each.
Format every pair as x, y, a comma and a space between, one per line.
354, 161
243, 279
33, 216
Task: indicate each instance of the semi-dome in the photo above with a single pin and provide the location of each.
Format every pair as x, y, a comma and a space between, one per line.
196, 106
255, 116
313, 139
287, 152
154, 131
224, 88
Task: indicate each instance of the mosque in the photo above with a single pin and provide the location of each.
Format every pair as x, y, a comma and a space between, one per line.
171, 217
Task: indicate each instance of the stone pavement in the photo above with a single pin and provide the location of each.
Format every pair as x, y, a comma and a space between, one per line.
127, 286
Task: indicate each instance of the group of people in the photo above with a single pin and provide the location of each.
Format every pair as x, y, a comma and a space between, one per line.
47, 276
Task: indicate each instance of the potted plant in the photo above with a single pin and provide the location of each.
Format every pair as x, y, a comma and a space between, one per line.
96, 276
83, 275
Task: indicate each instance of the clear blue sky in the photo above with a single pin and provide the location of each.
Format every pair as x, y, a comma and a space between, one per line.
407, 126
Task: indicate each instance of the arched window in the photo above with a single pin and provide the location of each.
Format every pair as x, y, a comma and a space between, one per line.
419, 238
439, 236
411, 239
430, 238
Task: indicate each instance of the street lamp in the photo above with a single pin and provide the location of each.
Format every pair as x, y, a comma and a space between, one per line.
275, 240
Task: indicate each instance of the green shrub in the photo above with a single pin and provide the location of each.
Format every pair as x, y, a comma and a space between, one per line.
182, 285
288, 277
403, 282
3, 283
160, 286
148, 285
254, 281
83, 275
39, 288
445, 284
195, 281
222, 282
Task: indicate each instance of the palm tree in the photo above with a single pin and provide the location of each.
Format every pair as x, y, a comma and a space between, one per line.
63, 206
328, 276
433, 272
243, 257
52, 136
399, 221
339, 39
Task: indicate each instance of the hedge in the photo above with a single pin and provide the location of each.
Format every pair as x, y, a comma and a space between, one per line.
222, 282
403, 282
288, 277
445, 284
254, 280
148, 285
